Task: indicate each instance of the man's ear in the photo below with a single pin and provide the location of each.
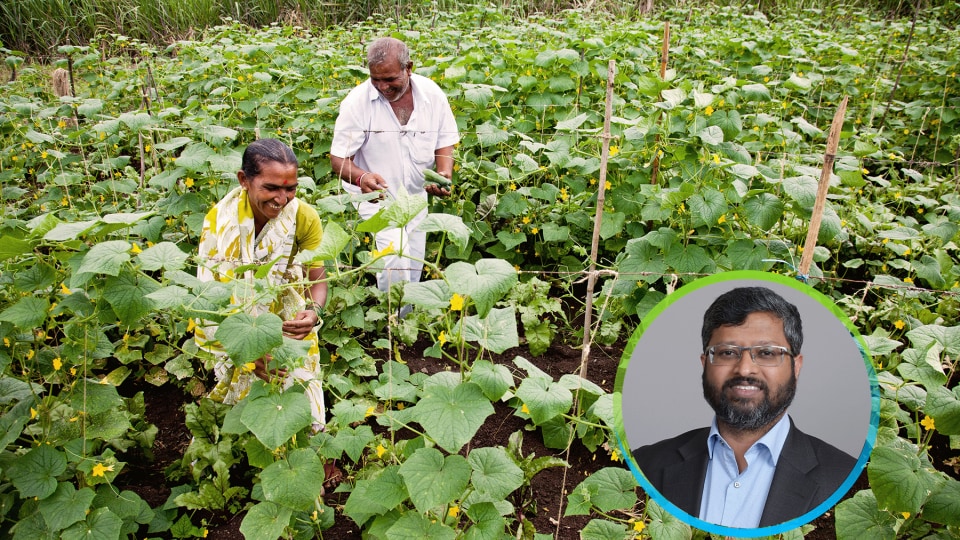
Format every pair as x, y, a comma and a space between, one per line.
797, 364
703, 360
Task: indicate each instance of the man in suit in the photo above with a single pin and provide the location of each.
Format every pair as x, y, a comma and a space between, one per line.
751, 467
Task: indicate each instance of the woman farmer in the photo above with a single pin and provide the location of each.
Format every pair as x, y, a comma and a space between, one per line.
261, 222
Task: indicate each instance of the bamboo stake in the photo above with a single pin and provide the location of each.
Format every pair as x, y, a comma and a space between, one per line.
598, 218
664, 55
833, 141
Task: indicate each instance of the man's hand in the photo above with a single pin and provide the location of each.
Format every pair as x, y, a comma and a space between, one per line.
300, 326
435, 190
371, 182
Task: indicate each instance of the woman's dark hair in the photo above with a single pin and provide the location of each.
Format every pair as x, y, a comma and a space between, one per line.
732, 308
262, 151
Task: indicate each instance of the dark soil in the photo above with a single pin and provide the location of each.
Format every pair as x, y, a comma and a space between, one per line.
144, 474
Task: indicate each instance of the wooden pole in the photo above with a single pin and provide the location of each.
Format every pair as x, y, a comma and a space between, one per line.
664, 56
597, 220
833, 141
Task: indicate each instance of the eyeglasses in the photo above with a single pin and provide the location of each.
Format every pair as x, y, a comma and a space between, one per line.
762, 355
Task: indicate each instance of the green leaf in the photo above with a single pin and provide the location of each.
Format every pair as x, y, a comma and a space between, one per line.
488, 523
66, 506
707, 206
944, 406
165, 255
711, 136
608, 489
34, 474
375, 495
433, 294
106, 258
860, 517
295, 482
802, 189
943, 505
413, 526
601, 529
493, 379
490, 135
729, 121
494, 473
433, 480
926, 336
453, 226
275, 417
497, 332
101, 524
452, 416
755, 92
266, 520
13, 247
663, 525
127, 295
763, 210
28, 313
898, 479
485, 282
544, 398
246, 338
195, 157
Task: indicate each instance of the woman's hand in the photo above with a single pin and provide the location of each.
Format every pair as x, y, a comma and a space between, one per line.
261, 370
301, 325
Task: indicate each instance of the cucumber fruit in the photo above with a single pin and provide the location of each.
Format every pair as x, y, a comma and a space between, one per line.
433, 177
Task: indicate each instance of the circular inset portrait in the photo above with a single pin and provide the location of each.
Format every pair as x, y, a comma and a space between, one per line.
748, 403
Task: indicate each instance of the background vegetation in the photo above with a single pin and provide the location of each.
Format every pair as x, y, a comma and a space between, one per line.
38, 27
104, 191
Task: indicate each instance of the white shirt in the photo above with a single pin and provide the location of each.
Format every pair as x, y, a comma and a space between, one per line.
368, 130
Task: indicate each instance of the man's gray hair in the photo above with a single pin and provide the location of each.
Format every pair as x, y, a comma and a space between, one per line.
386, 49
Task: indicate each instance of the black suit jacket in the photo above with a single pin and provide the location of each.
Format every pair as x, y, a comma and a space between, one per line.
808, 472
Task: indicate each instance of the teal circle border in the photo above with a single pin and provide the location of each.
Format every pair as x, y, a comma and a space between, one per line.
713, 528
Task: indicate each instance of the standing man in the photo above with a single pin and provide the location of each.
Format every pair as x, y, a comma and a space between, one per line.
390, 129
751, 467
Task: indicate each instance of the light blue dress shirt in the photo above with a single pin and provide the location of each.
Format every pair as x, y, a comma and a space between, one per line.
736, 499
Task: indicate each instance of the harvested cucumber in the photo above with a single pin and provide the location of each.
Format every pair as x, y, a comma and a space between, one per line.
433, 177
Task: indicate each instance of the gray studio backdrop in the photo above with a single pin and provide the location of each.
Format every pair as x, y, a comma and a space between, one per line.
662, 393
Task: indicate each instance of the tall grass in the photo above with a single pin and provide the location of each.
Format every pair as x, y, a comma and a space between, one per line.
38, 27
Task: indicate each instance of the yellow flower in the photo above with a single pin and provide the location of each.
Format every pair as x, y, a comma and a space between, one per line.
615, 456
191, 325
456, 302
385, 251
454, 511
64, 289
134, 248
73, 371
716, 159
370, 411
443, 337
708, 111
147, 148
864, 171
57, 364
897, 195
907, 252
722, 219
607, 184
6, 342
33, 413
100, 468
44, 154
381, 449
885, 240
899, 324
512, 187
927, 423
249, 367
639, 526
525, 220
906, 515
534, 230
30, 354
766, 79
908, 280
62, 124
188, 182
524, 409
614, 150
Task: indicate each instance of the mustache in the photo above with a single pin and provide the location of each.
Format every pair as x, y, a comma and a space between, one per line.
744, 381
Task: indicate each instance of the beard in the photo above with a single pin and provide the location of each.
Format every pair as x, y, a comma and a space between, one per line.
743, 416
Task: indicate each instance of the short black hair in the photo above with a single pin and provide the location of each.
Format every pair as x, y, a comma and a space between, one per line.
732, 308
265, 150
